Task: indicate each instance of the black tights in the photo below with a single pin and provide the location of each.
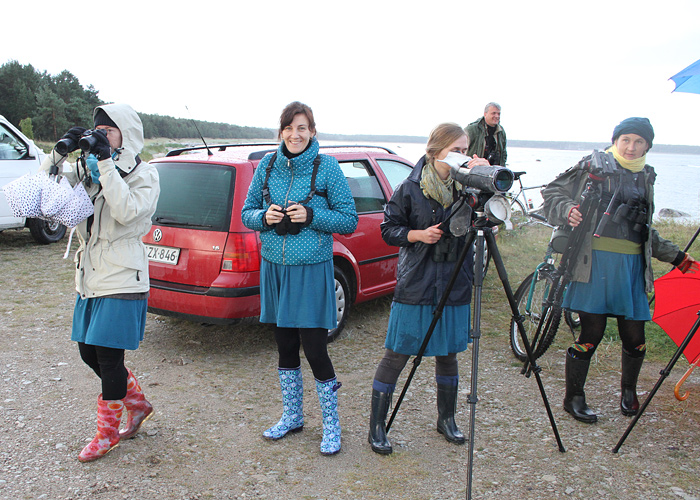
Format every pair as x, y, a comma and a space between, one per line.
108, 364
392, 363
593, 328
315, 343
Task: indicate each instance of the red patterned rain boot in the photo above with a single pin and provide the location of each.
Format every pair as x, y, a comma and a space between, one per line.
109, 415
138, 408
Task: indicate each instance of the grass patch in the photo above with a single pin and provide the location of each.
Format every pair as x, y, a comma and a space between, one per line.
523, 248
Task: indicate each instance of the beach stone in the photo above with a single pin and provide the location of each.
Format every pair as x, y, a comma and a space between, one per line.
670, 212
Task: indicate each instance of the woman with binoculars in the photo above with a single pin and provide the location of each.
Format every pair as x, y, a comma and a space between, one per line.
297, 285
612, 274
427, 256
111, 265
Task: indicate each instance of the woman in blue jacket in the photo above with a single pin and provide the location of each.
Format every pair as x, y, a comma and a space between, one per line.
297, 287
427, 258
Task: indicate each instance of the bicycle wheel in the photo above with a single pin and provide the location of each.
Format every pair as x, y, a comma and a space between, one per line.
572, 320
536, 296
518, 212
487, 258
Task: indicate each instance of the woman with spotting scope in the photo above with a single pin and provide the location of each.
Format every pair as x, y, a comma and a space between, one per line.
427, 258
612, 274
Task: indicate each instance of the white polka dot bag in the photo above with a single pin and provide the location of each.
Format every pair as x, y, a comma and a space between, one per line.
24, 196
78, 208
54, 195
39, 196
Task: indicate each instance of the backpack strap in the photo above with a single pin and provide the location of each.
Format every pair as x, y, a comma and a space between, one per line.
265, 187
312, 192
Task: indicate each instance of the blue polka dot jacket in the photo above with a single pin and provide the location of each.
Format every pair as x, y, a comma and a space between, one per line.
290, 181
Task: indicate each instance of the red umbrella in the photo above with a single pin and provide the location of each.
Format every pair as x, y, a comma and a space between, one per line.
676, 309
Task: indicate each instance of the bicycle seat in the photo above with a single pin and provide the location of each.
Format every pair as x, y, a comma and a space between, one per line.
516, 175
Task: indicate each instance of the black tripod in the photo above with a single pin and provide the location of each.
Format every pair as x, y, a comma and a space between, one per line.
664, 374
481, 231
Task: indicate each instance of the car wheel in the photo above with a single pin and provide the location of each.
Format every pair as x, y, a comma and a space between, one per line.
46, 232
342, 302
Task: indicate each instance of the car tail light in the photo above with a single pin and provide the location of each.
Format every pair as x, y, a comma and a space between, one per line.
242, 253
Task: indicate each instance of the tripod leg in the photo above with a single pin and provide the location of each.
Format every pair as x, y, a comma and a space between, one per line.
436, 317
503, 275
476, 337
664, 374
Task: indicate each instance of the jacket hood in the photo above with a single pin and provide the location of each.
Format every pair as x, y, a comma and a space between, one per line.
130, 126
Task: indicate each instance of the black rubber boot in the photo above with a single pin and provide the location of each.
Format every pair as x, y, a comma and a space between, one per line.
377, 423
446, 404
575, 399
629, 404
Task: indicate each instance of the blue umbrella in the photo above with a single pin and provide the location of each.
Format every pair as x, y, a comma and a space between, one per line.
688, 80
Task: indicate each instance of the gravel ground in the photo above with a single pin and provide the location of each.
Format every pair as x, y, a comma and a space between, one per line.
215, 389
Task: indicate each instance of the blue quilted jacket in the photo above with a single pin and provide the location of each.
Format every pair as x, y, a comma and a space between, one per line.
290, 181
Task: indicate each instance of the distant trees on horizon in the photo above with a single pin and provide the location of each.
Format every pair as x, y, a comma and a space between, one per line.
44, 106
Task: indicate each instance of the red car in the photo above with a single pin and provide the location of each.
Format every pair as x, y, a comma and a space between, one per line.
205, 264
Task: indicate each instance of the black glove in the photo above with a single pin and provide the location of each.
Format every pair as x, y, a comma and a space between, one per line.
69, 142
101, 148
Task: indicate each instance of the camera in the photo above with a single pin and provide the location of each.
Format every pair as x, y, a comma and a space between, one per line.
286, 226
494, 158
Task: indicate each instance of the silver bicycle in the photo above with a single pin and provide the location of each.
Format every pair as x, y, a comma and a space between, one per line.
522, 208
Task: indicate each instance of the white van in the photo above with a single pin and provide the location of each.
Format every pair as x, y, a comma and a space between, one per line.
19, 156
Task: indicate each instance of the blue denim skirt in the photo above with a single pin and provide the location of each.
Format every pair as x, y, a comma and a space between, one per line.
616, 287
298, 296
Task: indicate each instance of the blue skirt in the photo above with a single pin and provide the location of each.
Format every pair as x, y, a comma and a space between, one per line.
109, 322
616, 287
298, 296
408, 325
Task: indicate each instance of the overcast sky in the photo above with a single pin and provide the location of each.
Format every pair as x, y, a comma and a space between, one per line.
561, 70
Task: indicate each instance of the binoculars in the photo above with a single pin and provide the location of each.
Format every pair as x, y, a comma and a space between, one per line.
286, 226
86, 143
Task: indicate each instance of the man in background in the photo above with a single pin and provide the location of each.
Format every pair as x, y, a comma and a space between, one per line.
487, 139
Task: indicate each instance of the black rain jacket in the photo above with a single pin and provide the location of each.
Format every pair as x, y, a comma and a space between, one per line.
419, 279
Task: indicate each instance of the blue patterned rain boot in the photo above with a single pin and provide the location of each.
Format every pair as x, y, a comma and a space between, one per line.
328, 397
293, 405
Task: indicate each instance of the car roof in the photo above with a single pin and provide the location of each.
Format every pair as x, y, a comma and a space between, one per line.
256, 151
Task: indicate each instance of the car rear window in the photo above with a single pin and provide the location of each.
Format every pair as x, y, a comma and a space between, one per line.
195, 195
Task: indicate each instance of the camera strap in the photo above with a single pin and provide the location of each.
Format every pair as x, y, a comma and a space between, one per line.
312, 192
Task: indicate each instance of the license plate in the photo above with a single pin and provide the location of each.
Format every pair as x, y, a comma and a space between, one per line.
164, 255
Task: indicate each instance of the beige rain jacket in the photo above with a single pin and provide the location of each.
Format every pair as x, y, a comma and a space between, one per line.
112, 258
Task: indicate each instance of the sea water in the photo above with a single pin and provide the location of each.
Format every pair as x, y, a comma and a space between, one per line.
677, 175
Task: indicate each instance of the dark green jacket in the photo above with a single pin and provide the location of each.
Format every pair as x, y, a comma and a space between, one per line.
564, 193
477, 140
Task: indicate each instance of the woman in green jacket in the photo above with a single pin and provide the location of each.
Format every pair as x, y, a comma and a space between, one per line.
612, 274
